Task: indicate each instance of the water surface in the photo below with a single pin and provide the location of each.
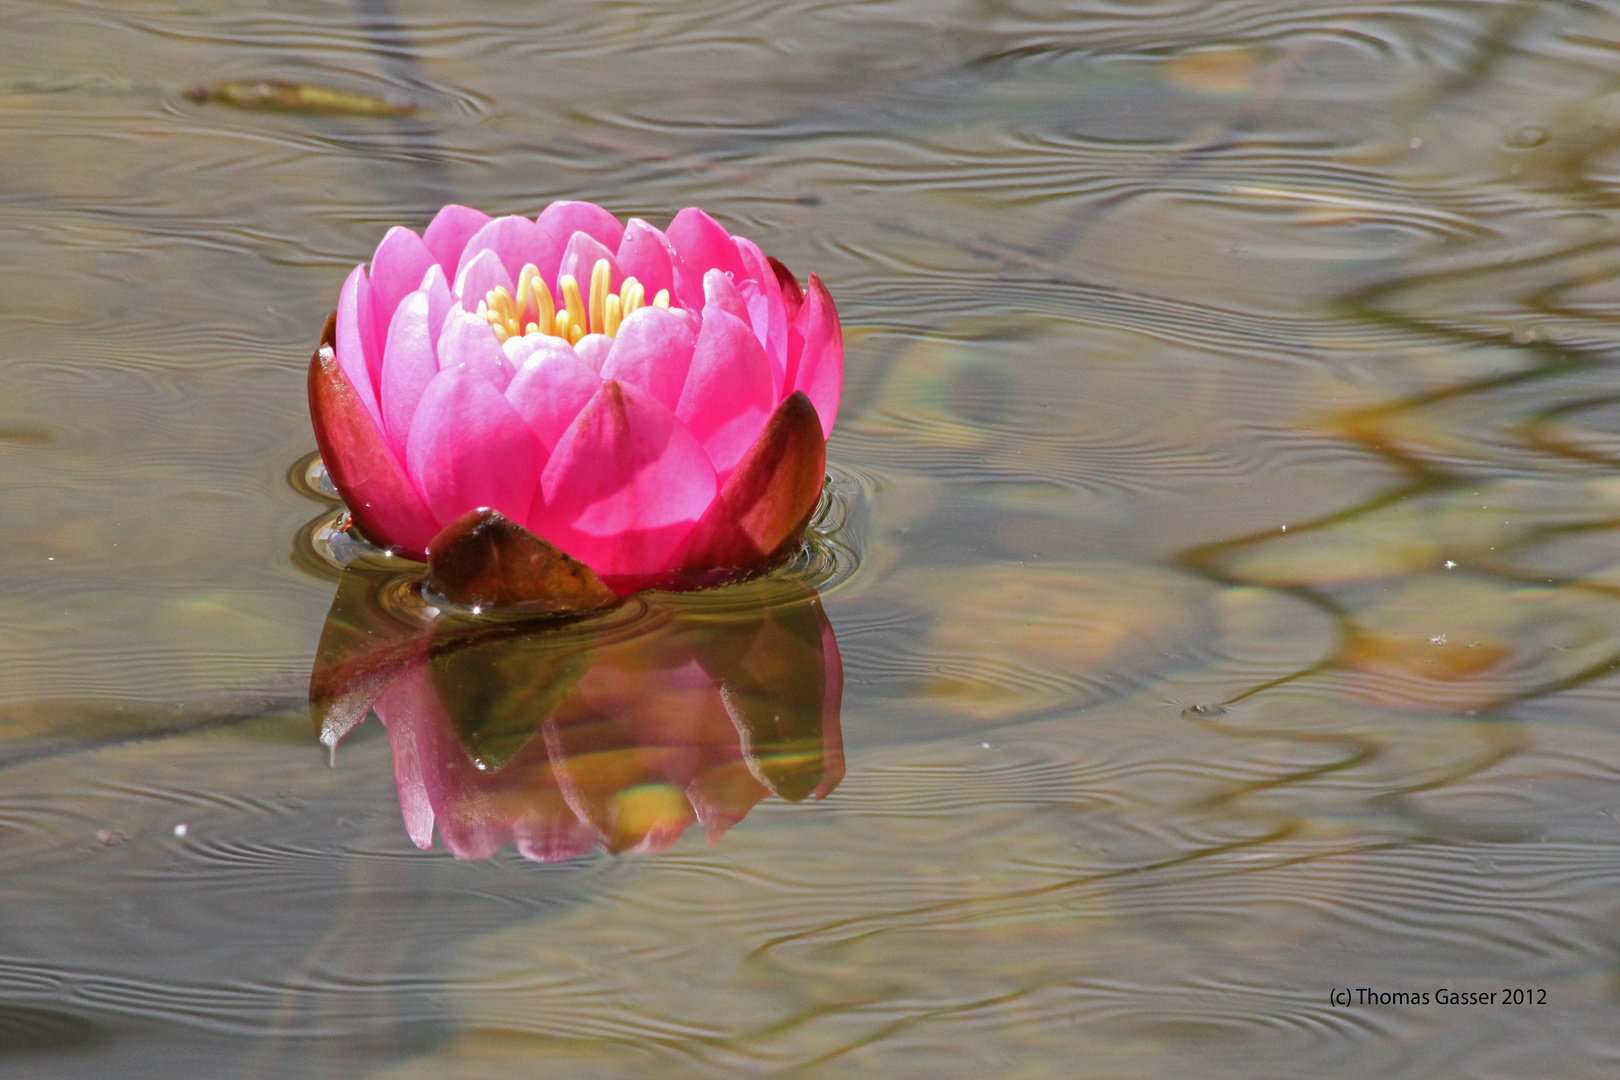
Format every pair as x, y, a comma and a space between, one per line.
1229, 454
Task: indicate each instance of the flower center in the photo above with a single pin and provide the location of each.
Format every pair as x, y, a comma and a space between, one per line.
533, 311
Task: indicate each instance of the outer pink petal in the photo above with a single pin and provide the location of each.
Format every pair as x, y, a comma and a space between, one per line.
357, 350
579, 259
550, 390
469, 448
409, 364
625, 485
468, 341
729, 393
818, 367
653, 351
792, 293
396, 272
704, 245
646, 254
767, 311
562, 219
479, 274
449, 232
366, 472
515, 239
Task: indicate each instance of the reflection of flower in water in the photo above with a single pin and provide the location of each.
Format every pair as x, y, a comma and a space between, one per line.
617, 731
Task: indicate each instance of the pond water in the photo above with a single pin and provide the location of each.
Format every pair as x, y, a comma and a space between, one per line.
1225, 498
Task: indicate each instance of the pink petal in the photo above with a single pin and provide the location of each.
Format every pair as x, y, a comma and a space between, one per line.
550, 390
519, 350
816, 360
396, 272
449, 232
409, 364
580, 258
562, 219
832, 699
767, 311
646, 254
625, 484
652, 351
721, 292
365, 471
703, 245
516, 240
593, 349
357, 349
467, 341
759, 317
480, 274
764, 505
469, 448
440, 299
729, 393
417, 726
792, 294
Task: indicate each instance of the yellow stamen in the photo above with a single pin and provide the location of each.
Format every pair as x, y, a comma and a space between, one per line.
632, 296
525, 292
599, 292
545, 307
575, 306
508, 316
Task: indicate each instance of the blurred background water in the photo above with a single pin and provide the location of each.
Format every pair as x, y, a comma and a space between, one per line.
1229, 446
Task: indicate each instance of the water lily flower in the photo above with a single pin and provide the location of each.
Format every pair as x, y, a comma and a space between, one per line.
653, 403
564, 736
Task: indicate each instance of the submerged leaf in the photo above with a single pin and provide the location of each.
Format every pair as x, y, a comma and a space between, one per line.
271, 95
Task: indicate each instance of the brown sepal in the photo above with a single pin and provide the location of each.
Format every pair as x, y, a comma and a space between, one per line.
762, 511
485, 559
358, 459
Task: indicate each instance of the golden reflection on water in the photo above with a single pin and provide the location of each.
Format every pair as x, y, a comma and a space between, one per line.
1228, 452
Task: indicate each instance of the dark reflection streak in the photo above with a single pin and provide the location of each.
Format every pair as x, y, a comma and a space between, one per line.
919, 1016
1495, 45
984, 906
1281, 680
390, 43
1511, 743
1359, 752
88, 744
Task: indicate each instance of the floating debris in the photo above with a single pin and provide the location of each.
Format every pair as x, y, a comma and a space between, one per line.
273, 96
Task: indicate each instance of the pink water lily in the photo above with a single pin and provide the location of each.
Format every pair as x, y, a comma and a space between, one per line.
652, 402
